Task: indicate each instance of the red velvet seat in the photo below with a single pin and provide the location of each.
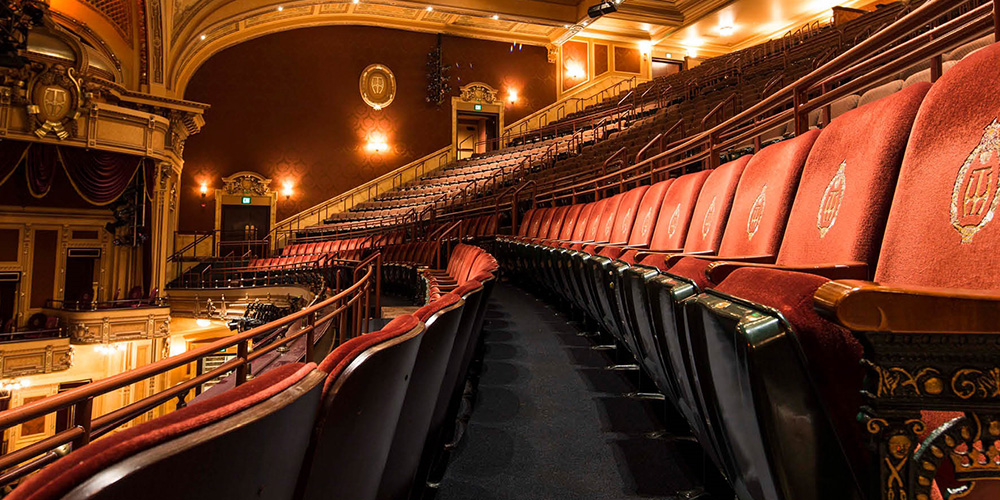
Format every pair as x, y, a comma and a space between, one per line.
442, 320
265, 422
359, 411
938, 235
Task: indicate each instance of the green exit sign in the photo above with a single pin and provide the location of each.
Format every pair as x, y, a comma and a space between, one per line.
479, 107
246, 200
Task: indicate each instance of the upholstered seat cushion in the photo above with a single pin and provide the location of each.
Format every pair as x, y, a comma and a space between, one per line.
833, 353
54, 481
692, 268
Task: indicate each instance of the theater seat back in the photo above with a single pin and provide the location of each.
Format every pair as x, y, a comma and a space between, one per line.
265, 422
557, 222
942, 229
648, 211
570, 221
671, 226
546, 222
598, 216
441, 319
847, 183
714, 203
362, 397
543, 215
625, 217
522, 230
764, 197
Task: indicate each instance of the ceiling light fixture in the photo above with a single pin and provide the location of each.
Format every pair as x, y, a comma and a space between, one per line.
496, 17
726, 30
429, 8
280, 8
202, 37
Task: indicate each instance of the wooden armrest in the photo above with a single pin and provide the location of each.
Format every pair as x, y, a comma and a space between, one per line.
869, 306
622, 246
642, 254
758, 259
720, 270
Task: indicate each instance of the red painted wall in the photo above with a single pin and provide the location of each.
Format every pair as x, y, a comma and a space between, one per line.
288, 106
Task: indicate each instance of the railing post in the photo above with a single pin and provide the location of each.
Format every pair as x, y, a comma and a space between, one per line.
310, 336
242, 350
83, 412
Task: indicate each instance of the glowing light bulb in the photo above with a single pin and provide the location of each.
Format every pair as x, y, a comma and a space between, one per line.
203, 189
204, 323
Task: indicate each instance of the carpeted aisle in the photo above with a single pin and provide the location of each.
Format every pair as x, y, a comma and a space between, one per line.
550, 422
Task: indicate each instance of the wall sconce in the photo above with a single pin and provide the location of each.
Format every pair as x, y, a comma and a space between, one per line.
574, 71
8, 386
512, 95
287, 191
645, 47
376, 144
204, 192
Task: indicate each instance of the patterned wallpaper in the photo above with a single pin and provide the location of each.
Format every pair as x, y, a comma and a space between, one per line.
287, 106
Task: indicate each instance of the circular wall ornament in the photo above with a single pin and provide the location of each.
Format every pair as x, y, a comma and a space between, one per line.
378, 86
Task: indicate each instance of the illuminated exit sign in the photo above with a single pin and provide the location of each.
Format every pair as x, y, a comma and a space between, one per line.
246, 200
478, 107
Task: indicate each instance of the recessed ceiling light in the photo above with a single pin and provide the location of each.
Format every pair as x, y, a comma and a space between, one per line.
280, 8
429, 8
566, 26
496, 16
202, 37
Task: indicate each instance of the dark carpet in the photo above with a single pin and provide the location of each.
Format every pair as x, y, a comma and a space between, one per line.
550, 422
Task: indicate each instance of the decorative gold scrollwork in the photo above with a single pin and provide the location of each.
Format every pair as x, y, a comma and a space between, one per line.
969, 442
926, 381
969, 382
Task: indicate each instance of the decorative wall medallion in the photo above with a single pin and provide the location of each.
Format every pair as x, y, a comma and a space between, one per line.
974, 198
674, 219
54, 102
829, 205
378, 86
756, 213
706, 225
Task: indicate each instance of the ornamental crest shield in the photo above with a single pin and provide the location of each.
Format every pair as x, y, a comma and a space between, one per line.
378, 86
756, 213
974, 197
54, 102
833, 197
706, 225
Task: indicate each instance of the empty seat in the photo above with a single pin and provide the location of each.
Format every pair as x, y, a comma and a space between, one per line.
265, 422
359, 411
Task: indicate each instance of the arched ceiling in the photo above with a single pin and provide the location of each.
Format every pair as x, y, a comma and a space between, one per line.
161, 43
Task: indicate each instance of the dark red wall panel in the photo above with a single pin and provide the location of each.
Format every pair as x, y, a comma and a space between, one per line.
287, 105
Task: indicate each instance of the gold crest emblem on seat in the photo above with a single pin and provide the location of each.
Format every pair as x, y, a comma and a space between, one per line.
756, 213
674, 219
974, 198
833, 197
706, 225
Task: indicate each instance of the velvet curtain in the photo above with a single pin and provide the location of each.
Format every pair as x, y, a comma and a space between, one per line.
11, 155
40, 168
99, 177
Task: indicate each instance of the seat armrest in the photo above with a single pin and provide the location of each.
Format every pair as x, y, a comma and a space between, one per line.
871, 307
642, 254
754, 259
601, 246
720, 270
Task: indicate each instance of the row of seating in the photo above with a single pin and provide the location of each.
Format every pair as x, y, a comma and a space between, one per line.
709, 280
367, 422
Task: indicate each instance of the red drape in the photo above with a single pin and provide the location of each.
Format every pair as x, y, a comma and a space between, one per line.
11, 155
40, 168
99, 177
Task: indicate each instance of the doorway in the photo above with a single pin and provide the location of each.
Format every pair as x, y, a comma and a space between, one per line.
8, 300
81, 283
476, 133
665, 67
243, 227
